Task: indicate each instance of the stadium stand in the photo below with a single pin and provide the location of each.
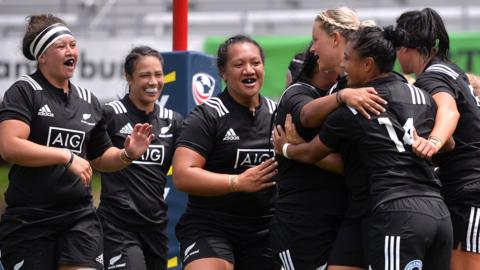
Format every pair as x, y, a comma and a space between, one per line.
218, 17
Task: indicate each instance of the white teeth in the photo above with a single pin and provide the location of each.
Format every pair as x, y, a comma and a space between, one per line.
151, 90
70, 62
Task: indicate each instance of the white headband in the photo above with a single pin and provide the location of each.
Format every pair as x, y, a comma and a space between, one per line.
47, 37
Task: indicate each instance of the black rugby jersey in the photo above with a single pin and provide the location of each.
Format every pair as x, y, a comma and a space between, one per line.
72, 121
134, 196
461, 166
231, 139
301, 185
356, 177
385, 140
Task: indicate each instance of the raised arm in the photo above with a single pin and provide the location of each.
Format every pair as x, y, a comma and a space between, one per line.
114, 159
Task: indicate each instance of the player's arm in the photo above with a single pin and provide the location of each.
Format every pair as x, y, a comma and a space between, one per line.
190, 176
114, 159
17, 149
309, 152
364, 100
332, 162
446, 120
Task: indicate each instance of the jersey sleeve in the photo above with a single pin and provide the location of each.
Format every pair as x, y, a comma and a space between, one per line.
99, 140
198, 131
108, 114
17, 103
336, 128
295, 103
434, 83
177, 126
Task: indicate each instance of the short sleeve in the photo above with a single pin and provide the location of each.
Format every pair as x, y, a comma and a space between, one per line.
434, 83
177, 126
336, 128
198, 131
17, 103
295, 103
99, 140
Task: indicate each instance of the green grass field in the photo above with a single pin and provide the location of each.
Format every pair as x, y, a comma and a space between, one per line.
4, 184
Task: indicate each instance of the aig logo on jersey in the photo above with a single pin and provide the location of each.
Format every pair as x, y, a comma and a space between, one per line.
66, 138
252, 157
153, 156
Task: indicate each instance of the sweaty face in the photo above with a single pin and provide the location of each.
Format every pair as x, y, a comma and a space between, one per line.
323, 47
60, 59
146, 82
244, 71
354, 66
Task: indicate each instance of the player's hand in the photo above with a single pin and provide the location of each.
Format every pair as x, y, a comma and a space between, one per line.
292, 135
423, 147
279, 138
365, 100
81, 168
258, 177
137, 143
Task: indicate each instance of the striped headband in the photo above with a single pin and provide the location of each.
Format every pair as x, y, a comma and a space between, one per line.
47, 37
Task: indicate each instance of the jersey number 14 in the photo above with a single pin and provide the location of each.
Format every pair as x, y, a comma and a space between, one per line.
407, 135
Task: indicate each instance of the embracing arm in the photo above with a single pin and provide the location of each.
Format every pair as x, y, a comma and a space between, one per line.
364, 100
332, 162
189, 176
446, 120
309, 152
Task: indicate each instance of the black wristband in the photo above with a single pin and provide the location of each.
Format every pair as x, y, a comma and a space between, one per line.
69, 163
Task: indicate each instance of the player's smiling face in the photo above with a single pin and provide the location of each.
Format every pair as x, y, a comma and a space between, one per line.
146, 82
355, 67
243, 71
326, 47
60, 59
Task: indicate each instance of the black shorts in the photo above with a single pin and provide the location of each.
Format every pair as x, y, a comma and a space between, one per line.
410, 233
243, 242
465, 213
134, 250
303, 241
350, 247
466, 227
75, 239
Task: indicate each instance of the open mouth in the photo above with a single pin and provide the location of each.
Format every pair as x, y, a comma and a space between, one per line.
249, 81
69, 63
151, 90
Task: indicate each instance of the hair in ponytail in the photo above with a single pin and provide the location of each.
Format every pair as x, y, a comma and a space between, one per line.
374, 42
422, 30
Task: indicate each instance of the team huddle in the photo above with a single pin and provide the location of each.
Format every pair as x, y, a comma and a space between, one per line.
354, 168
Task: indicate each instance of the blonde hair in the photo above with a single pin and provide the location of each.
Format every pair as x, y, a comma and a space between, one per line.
342, 20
